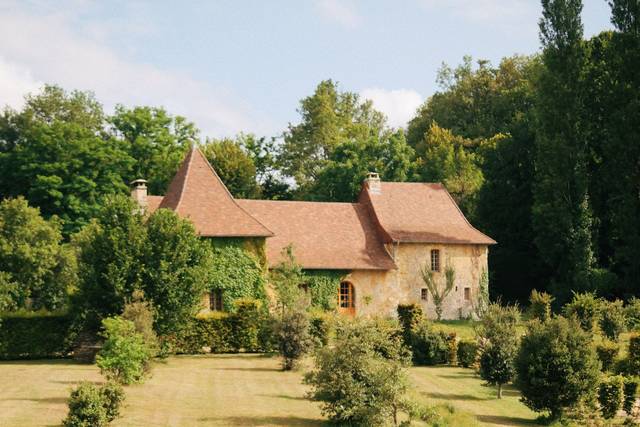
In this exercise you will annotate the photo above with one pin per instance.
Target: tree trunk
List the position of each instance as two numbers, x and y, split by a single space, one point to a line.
499 391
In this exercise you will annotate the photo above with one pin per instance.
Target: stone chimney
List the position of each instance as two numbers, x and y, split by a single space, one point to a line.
139 192
373 183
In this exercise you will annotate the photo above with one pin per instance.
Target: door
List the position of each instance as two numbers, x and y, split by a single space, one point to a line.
347 299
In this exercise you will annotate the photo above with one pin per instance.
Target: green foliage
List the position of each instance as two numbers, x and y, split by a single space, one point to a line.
57 155
540 305
93 406
234 166
634 353
438 292
125 357
556 366
140 312
467 353
320 329
611 395
585 307
362 380
293 337
38 270
607 352
410 317
631 385
632 313
613 320
212 331
429 347
237 272
481 304
286 278
34 335
245 325
323 287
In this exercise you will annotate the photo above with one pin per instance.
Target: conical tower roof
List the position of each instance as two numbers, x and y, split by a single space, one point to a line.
197 193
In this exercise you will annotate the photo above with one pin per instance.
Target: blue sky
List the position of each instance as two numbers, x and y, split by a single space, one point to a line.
234 66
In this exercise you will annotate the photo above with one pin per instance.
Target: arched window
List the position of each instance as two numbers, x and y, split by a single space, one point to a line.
347 298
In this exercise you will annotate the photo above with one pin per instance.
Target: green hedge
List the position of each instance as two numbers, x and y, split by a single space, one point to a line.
34 335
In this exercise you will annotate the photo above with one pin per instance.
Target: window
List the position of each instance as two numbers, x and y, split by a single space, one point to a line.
467 294
347 295
304 287
424 294
215 300
435 260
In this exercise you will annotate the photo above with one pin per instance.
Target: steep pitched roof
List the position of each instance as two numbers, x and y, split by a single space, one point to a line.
153 202
197 193
324 235
420 212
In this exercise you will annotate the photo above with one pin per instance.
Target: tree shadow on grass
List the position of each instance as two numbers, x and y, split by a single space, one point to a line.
452 396
462 375
283 396
250 369
506 421
76 382
43 400
263 421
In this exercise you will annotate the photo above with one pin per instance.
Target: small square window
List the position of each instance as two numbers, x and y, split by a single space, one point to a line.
435 260
467 294
215 300
424 294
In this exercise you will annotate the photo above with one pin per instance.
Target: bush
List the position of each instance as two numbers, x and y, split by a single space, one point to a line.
556 366
613 319
140 313
611 396
320 329
211 331
34 335
293 338
362 380
586 308
467 353
452 354
245 325
607 352
410 317
632 313
429 347
634 354
125 357
630 393
540 305
93 406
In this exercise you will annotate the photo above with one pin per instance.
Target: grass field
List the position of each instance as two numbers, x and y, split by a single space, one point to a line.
229 390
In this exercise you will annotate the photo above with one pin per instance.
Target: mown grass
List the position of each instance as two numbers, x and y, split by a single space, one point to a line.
232 390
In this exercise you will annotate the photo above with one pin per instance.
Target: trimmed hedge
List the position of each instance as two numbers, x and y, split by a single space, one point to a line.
34 335
611 396
467 353
607 352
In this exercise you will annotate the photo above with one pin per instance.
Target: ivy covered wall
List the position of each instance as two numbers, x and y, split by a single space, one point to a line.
323 287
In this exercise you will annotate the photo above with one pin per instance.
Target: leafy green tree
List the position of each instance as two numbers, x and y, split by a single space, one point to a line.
156 140
286 279
556 366
347 166
56 154
234 166
38 270
439 292
294 340
613 321
329 118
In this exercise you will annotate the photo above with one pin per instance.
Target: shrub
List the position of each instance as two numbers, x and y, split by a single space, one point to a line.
93 406
245 325
293 337
452 354
34 335
632 313
586 308
607 352
429 347
362 380
540 305
611 396
410 317
140 313
556 366
210 330
467 353
125 356
634 353
613 319
630 393
320 329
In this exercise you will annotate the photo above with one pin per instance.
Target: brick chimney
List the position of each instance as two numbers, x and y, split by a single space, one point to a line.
139 192
372 182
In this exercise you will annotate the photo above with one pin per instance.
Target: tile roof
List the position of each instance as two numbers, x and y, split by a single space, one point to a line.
323 235
420 212
196 192
153 202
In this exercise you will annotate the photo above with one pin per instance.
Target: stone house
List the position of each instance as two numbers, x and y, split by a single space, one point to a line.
381 242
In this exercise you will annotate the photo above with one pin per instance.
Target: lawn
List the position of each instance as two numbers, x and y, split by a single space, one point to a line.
230 390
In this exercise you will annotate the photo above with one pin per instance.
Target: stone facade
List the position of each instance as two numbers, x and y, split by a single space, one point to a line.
378 293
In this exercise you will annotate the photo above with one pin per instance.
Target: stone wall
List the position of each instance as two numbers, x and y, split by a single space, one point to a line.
378 293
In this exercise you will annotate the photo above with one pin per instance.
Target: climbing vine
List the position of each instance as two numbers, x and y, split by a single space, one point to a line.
323 287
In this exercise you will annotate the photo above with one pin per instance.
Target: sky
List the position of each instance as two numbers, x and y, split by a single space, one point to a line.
243 66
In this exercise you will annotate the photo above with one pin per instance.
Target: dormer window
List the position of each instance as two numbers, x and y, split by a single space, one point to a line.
435 260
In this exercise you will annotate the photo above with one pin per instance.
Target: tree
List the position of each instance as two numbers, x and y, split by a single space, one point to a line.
613 320
156 140
234 166
499 336
329 118
293 337
38 270
362 379
286 278
264 153
556 366
438 292
347 166
56 154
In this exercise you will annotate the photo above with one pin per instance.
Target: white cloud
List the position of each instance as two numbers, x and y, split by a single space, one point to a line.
398 105
341 11
483 10
48 48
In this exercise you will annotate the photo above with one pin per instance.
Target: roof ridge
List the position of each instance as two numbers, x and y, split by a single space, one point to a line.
189 159
462 214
